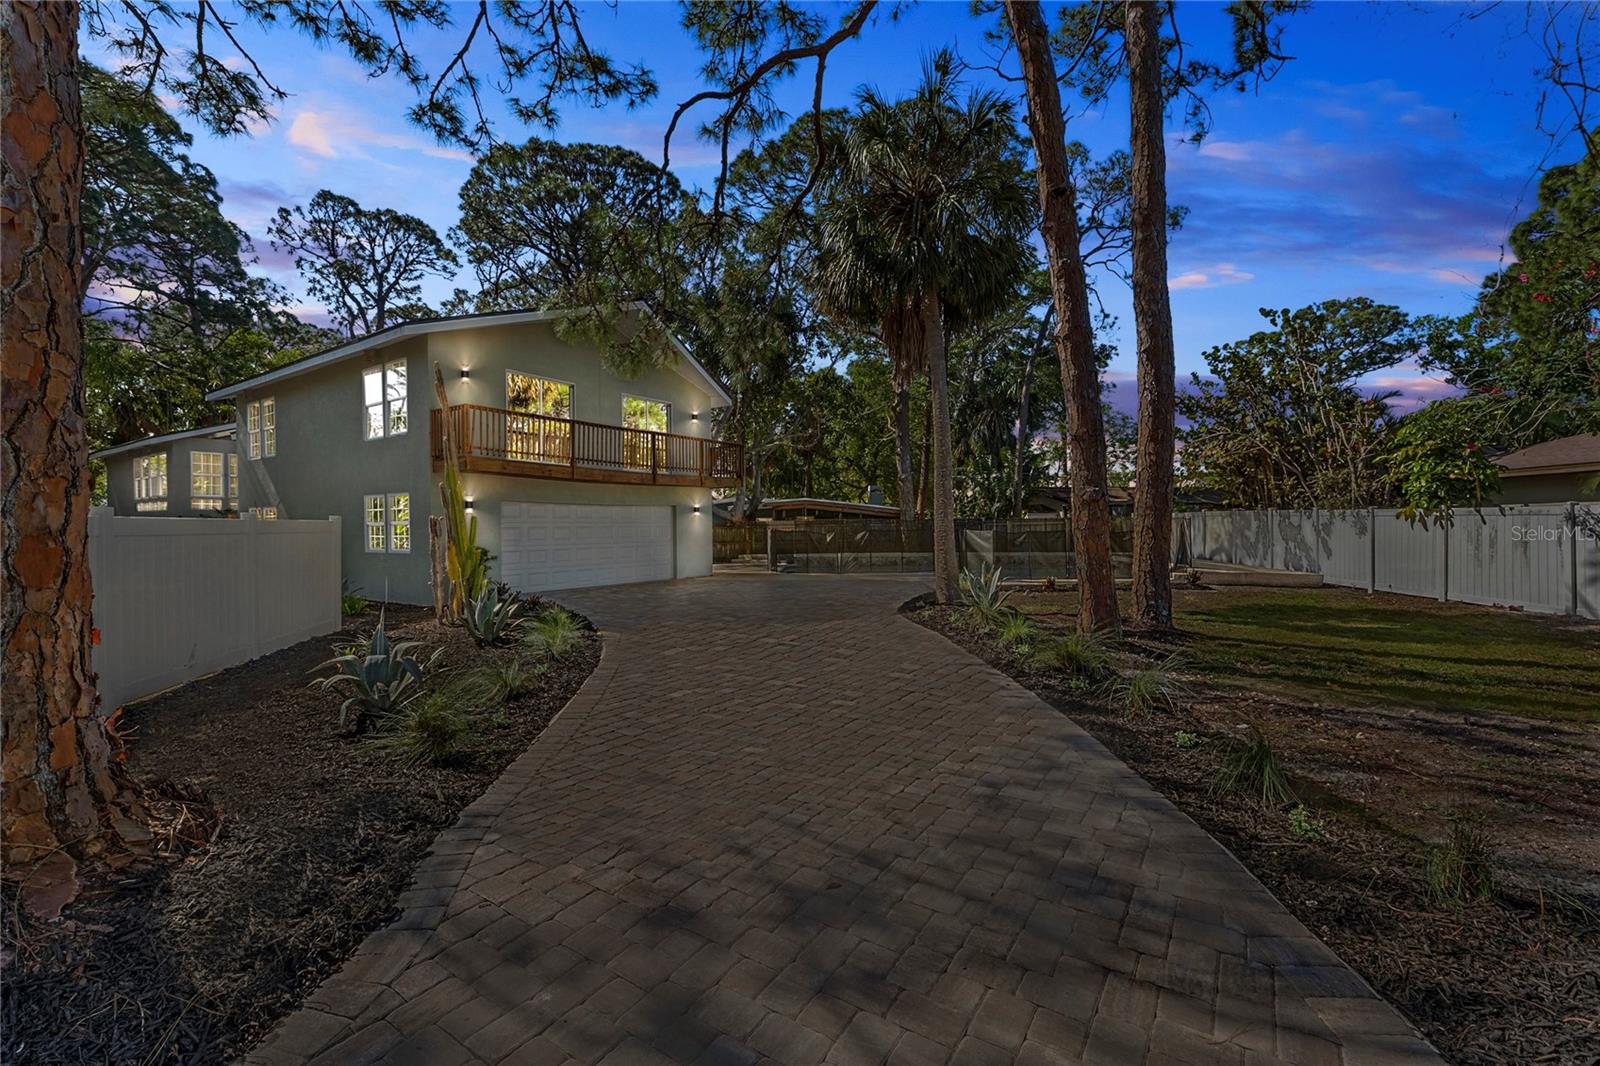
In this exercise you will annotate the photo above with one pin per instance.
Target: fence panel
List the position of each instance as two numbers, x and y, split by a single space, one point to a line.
1522 558
177 598
1586 564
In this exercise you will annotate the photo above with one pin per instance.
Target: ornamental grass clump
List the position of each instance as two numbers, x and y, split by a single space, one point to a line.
426 730
1086 656
1460 868
1251 768
1016 631
554 635
1150 689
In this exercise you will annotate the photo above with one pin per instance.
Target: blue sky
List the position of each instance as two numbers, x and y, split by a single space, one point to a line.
1388 159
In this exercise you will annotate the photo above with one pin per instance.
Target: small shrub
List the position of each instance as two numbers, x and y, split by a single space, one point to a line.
494 616
1304 824
1084 655
985 600
554 635
1187 740
1460 868
426 730
1050 584
1251 768
1016 631
515 677
381 676
1153 688
351 602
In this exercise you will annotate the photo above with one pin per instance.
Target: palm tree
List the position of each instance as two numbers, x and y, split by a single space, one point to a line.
924 227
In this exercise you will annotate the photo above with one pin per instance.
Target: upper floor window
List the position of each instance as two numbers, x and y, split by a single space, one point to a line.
252 428
150 482
205 481
530 436
383 391
269 426
641 449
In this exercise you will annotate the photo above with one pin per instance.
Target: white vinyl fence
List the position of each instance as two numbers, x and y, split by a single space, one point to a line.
177 598
1538 558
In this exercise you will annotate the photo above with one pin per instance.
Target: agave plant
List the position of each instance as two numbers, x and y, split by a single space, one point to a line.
982 594
380 675
495 616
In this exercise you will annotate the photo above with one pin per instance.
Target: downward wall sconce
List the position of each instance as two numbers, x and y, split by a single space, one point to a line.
465 373
468 501
694 416
697 508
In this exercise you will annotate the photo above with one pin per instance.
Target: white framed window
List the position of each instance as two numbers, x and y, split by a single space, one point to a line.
233 481
252 428
205 481
400 522
388 522
269 426
150 482
267 513
383 397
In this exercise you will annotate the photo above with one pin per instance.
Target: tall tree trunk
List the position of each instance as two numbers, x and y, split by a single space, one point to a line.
905 493
62 795
1069 290
1023 437
1152 316
925 475
944 495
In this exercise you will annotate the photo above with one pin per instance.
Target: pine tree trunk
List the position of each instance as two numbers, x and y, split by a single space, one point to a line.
944 496
62 794
1152 315
1069 290
905 492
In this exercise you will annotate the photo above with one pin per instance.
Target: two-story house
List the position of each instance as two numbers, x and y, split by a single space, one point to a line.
576 476
193 473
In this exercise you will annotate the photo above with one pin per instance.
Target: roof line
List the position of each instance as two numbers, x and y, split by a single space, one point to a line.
419 326
164 438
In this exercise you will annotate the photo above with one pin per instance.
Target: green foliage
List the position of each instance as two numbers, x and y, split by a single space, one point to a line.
380 675
1251 768
352 603
1149 689
1016 631
427 730
1460 868
1187 740
366 265
1304 824
494 616
1084 655
555 634
983 595
1282 420
1437 460
514 678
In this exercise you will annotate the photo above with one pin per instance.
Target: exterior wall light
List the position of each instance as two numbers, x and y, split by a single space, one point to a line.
697 508
465 373
694 416
468 501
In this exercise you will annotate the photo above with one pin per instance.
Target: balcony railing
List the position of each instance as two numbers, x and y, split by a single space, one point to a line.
497 441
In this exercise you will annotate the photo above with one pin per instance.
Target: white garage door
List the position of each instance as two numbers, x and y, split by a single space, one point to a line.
547 546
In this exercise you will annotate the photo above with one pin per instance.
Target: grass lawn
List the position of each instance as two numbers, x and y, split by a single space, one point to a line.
1354 647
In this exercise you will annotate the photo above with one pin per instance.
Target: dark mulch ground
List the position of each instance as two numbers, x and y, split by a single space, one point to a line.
315 836
1514 980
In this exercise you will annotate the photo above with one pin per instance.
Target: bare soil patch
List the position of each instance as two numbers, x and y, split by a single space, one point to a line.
1512 980
302 839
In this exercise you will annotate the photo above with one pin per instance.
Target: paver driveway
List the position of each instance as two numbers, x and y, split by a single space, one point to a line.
781 822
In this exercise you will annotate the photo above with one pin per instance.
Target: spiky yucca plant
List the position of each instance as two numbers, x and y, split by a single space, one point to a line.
381 676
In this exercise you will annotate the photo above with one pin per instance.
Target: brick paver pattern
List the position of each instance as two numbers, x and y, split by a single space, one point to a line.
781 823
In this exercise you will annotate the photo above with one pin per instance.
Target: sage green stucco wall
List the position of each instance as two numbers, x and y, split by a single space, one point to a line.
1546 488
120 472
323 466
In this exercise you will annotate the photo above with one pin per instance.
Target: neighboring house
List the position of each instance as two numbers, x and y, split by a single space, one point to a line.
576 476
189 474
1557 471
808 508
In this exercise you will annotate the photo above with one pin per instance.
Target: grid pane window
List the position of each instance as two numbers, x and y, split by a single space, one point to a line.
400 522
252 425
233 480
377 533
150 482
269 427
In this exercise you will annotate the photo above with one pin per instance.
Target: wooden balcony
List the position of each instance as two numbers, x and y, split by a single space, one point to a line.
494 441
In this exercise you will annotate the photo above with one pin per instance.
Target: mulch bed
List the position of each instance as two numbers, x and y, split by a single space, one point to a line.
300 839
1512 980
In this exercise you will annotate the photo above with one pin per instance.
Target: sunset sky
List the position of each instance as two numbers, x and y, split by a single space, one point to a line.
1388 159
